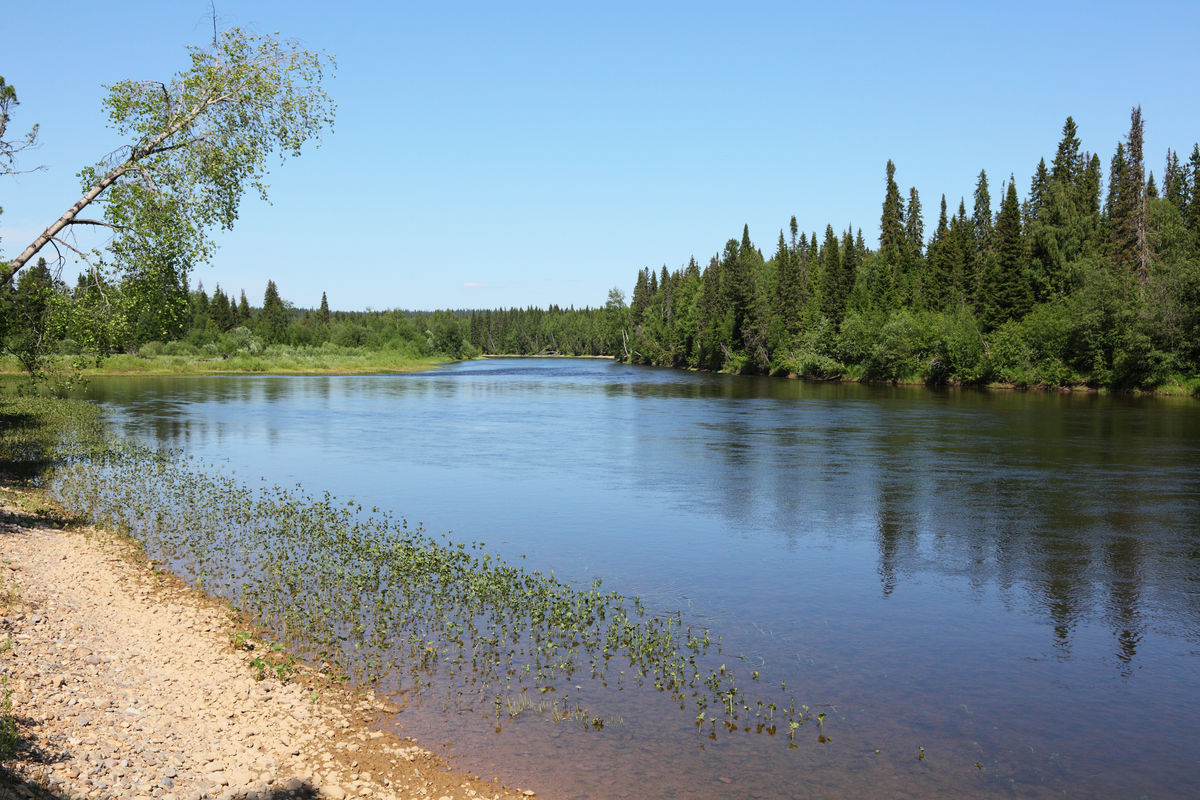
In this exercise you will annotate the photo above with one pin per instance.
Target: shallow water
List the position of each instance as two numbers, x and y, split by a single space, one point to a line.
1009 581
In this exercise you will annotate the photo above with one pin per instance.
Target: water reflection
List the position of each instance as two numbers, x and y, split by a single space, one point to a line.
906 553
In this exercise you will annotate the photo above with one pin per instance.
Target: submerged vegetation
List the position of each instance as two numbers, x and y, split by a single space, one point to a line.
369 599
376 601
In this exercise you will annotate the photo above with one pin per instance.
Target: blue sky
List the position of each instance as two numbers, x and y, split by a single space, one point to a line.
501 154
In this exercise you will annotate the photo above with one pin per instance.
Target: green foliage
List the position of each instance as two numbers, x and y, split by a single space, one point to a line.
194 145
1055 291
32 317
8 722
206 136
958 352
38 432
903 350
10 149
272 321
380 602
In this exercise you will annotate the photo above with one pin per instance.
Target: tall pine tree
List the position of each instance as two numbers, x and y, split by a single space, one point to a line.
1007 294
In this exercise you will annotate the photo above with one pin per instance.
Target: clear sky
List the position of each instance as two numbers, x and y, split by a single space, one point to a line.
512 154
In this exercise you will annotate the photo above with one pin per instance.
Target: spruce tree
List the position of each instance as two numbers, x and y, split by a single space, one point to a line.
221 311
850 266
1175 182
1134 233
960 257
1007 294
641 297
323 312
937 284
243 309
1116 177
789 293
833 294
850 261
737 285
1127 202
272 321
1089 200
914 256
1068 164
1192 211
981 218
893 242
1037 193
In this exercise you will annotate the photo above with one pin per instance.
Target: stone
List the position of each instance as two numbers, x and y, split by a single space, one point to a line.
239 776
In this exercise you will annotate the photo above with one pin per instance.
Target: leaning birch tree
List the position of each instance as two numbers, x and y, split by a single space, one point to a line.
195 144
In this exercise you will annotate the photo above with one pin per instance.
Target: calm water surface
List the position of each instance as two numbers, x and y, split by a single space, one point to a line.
1009 581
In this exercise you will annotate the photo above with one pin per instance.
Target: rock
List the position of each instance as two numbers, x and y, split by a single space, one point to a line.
217 778
239 776
333 791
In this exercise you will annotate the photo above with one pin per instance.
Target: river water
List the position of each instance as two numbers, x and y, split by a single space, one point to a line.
988 594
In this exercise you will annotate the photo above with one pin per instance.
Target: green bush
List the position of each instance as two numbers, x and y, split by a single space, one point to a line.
241 340
857 338
348 334
904 349
961 354
180 348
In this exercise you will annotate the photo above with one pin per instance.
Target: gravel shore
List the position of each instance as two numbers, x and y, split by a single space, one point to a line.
126 684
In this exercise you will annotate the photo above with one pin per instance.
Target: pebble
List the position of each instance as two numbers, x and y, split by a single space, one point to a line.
139 695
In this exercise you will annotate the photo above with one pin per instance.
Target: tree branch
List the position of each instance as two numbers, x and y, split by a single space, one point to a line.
82 255
176 146
94 222
108 180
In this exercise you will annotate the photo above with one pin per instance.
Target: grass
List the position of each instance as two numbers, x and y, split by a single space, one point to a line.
274 360
8 722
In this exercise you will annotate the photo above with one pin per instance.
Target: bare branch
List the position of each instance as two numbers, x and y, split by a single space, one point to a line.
94 222
176 146
82 255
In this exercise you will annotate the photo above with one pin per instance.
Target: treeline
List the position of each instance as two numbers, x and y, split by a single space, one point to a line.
216 324
532 331
1086 280
1079 283
451 333
42 317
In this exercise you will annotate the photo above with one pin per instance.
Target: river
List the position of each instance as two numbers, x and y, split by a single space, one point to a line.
988 594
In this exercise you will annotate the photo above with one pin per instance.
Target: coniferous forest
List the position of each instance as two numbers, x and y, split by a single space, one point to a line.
1082 281
1092 278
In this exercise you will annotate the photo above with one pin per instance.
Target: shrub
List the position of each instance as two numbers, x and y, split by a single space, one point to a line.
241 340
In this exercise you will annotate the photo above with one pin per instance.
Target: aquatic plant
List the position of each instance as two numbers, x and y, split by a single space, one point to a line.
363 596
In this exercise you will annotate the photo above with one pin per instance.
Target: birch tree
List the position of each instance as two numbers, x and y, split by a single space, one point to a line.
194 145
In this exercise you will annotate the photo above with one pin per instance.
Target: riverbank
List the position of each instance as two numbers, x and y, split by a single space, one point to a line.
273 361
126 683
